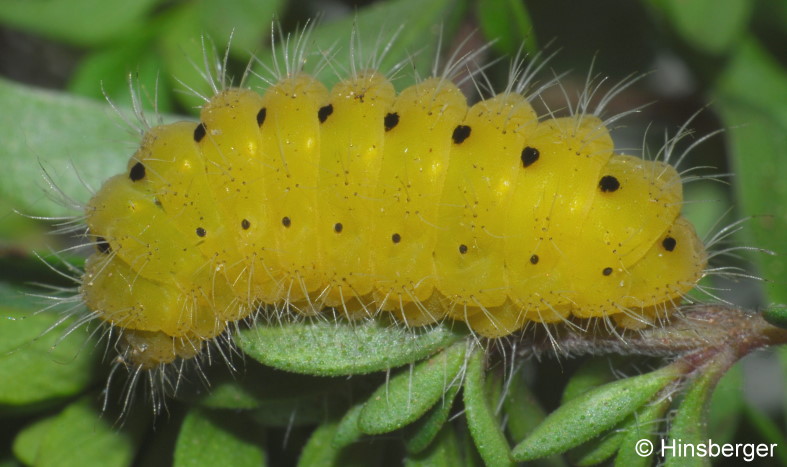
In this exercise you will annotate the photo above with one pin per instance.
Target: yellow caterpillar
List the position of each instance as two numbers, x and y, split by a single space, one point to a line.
365 200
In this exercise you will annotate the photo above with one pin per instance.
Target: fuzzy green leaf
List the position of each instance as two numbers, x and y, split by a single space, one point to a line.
643 426
590 375
598 449
481 418
320 450
425 429
690 425
726 405
348 431
34 366
328 348
584 417
444 451
213 438
410 394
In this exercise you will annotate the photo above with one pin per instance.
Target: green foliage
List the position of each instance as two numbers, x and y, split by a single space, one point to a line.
214 438
430 396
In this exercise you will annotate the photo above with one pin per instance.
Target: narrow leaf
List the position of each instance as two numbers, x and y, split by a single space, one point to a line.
584 417
690 425
481 418
411 393
443 452
348 431
319 450
639 447
425 429
726 406
591 374
599 449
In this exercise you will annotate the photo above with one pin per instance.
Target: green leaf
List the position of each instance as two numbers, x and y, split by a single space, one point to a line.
299 410
81 22
184 46
425 429
320 450
348 431
508 23
213 438
626 439
590 375
281 389
767 432
726 406
600 409
105 74
230 395
336 348
415 44
776 315
481 418
690 424
472 458
643 426
247 20
410 394
288 400
28 441
57 128
81 436
444 451
35 364
750 95
712 26
598 449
